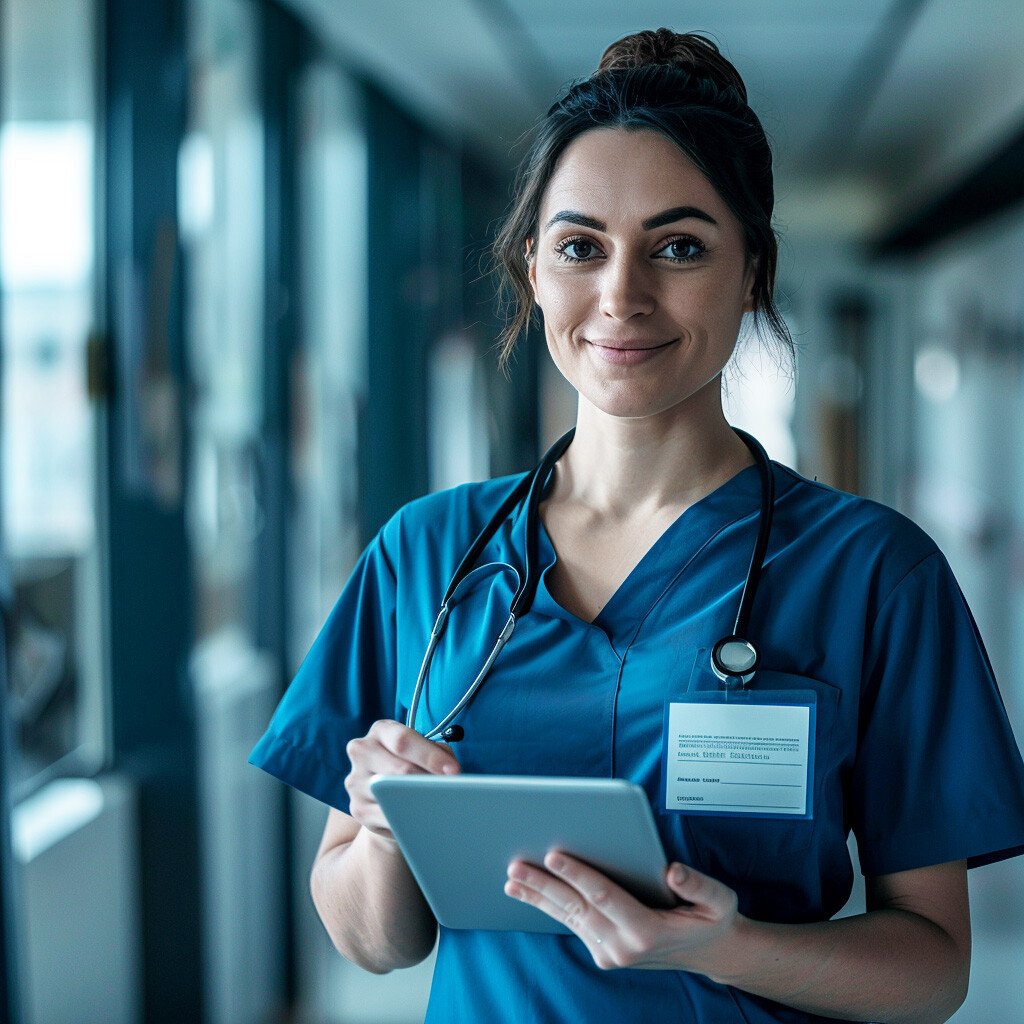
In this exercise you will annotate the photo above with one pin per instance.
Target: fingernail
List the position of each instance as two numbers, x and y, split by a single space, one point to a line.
678 873
555 862
450 769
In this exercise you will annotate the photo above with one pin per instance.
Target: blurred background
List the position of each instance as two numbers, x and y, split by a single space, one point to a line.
244 319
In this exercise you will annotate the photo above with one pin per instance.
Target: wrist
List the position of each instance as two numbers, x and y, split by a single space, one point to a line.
724 960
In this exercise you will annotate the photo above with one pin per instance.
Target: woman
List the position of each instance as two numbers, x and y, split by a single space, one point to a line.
642 231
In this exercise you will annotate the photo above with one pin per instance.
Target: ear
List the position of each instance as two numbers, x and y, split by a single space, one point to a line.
531 266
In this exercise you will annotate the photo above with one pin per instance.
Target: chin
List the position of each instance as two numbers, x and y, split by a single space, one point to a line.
628 403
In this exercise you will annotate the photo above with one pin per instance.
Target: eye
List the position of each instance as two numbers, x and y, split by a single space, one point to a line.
680 247
574 243
579 250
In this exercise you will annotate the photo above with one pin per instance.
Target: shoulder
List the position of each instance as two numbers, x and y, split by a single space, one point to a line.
445 520
846 533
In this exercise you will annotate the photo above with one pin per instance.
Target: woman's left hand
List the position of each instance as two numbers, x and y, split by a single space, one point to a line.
619 930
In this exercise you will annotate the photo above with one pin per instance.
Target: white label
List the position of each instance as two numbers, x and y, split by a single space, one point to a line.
725 758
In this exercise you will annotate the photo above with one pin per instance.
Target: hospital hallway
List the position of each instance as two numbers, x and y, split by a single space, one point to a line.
249 309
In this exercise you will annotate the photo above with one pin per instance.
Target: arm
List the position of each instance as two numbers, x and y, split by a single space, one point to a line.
361 886
905 961
367 899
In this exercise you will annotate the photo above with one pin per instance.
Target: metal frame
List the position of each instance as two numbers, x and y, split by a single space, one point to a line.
153 727
284 51
11 1009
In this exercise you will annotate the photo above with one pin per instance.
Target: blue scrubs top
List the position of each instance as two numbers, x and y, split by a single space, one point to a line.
914 752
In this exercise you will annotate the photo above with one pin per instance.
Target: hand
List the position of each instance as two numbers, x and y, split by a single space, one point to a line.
619 930
389 748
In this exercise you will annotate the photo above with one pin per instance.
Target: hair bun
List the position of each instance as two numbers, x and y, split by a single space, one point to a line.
688 51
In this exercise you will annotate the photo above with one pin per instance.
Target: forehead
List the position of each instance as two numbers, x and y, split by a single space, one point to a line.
623 172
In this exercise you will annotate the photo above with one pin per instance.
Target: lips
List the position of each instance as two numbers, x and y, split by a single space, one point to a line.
630 345
627 351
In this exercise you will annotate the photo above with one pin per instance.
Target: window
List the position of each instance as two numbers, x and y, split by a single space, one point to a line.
48 282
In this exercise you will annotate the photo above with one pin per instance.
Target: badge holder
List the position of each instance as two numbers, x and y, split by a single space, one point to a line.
739 751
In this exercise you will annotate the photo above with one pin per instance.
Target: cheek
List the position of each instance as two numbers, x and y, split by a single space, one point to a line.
564 305
716 309
566 291
562 357
564 312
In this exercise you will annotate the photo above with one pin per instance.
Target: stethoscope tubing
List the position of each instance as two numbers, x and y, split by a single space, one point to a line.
524 594
764 530
532 486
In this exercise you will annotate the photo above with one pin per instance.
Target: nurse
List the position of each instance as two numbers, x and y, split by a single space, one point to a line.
642 233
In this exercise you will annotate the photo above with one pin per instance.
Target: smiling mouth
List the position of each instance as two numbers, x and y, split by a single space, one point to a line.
628 348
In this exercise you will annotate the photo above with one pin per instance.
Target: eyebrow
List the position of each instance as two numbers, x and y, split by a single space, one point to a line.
657 221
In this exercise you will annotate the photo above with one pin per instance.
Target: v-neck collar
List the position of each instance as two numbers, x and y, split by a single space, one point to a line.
685 536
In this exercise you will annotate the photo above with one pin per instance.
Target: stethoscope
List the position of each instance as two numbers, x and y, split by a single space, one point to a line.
734 659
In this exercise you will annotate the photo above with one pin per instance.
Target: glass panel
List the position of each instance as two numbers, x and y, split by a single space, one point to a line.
220 208
458 413
329 371
49 437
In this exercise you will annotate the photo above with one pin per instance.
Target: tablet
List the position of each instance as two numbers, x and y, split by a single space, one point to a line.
459 832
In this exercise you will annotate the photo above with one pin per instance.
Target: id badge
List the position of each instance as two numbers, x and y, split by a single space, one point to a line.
740 753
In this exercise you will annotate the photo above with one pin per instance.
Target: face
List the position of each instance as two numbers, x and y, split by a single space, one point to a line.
641 306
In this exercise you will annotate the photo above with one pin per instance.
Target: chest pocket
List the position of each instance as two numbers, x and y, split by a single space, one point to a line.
767 850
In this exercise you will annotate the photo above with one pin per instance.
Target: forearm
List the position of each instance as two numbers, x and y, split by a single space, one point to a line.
886 965
371 905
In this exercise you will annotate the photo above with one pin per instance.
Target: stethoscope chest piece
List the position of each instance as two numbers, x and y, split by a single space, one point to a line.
734 660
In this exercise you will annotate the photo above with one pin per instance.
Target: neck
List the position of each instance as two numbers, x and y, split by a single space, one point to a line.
624 468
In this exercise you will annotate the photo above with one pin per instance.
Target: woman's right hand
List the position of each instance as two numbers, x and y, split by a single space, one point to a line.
390 748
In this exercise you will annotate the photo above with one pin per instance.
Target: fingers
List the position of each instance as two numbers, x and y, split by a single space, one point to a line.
618 930
365 810
709 897
599 892
389 748
582 898
557 899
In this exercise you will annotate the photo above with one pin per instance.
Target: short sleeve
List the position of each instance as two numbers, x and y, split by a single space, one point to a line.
938 775
344 684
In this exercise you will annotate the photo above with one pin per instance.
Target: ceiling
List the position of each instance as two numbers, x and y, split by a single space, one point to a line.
872 106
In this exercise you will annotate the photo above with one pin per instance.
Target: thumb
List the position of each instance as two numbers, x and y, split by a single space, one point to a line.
446 747
699 890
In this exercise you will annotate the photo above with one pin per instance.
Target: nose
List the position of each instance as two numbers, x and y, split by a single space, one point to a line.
626 288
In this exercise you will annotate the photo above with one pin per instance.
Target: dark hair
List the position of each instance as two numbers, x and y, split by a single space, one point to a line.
676 84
